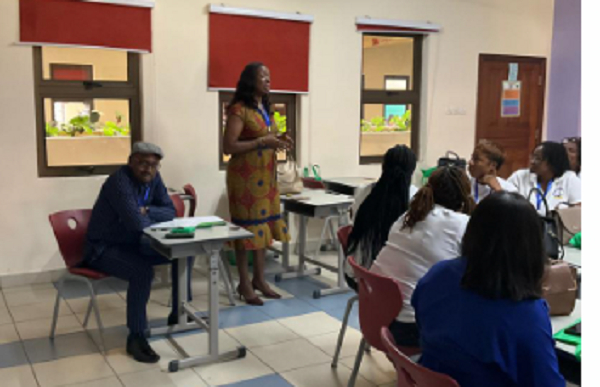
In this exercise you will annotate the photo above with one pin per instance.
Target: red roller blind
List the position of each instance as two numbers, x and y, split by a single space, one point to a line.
74 22
236 40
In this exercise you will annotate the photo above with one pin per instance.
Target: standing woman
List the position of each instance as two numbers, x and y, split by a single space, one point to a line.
252 188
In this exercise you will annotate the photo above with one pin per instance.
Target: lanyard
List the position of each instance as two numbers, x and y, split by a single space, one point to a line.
142 201
539 197
476 192
265 117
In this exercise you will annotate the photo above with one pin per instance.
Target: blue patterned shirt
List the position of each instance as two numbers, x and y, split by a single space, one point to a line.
116 219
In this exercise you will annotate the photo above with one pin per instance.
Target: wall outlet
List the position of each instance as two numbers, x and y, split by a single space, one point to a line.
455 111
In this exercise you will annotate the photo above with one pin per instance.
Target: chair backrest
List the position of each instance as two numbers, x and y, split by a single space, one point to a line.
379 303
310 182
71 240
190 191
343 234
179 205
409 373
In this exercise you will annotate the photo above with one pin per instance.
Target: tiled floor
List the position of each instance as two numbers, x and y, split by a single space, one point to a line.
290 341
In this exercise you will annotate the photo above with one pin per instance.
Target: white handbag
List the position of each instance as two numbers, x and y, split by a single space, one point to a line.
288 178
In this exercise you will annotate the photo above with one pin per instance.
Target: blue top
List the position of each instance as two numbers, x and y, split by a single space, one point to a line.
116 218
480 341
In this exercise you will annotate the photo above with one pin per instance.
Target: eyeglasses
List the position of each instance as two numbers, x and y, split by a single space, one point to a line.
146 165
567 140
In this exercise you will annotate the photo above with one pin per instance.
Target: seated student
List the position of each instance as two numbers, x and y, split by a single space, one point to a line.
481 316
573 147
548 171
485 162
131 199
429 232
388 200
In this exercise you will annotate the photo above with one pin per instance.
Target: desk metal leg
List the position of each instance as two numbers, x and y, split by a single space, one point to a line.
342 287
285 254
300 270
212 325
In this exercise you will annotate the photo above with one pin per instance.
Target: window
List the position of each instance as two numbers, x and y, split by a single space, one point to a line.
390 94
284 110
88 109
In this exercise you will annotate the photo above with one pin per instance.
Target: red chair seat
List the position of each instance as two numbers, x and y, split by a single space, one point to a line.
88 273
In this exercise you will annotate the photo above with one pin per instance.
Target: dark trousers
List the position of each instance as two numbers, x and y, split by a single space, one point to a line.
405 334
136 266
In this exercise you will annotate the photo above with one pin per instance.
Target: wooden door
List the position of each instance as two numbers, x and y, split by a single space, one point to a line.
518 135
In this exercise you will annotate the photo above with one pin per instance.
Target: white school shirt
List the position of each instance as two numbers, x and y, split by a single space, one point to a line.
359 198
564 190
480 191
409 254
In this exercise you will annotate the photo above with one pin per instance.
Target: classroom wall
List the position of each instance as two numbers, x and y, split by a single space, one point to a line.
182 116
564 97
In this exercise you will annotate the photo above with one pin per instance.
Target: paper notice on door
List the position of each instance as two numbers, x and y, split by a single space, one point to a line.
511 99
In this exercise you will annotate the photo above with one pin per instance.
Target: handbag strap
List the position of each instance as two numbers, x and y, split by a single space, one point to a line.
452 153
540 194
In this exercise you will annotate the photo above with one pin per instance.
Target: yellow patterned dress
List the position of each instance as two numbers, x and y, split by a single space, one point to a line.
252 186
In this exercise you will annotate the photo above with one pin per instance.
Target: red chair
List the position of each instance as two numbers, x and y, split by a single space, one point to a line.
343 234
310 182
380 302
190 192
409 373
71 242
178 204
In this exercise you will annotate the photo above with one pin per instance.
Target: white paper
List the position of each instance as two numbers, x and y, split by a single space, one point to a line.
513 71
187 222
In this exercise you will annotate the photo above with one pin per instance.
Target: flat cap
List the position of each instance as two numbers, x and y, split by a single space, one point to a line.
147 148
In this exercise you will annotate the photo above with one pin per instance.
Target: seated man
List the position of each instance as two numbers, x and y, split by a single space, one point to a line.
486 161
131 199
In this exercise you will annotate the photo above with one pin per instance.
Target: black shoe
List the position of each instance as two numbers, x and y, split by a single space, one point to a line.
140 350
173 319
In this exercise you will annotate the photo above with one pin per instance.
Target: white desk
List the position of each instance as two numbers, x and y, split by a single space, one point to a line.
209 241
314 204
347 185
561 322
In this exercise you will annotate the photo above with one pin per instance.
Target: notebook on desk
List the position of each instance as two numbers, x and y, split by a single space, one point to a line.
195 222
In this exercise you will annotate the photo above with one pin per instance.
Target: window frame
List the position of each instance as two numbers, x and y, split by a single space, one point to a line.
84 90
291 121
395 97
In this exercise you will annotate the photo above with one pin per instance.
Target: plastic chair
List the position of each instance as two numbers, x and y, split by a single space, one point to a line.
411 374
189 190
380 302
178 204
311 183
343 234
71 242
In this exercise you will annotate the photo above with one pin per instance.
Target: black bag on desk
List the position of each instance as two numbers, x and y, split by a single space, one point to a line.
552 243
452 160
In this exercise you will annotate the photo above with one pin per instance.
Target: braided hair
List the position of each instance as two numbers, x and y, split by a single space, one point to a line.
449 187
388 200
